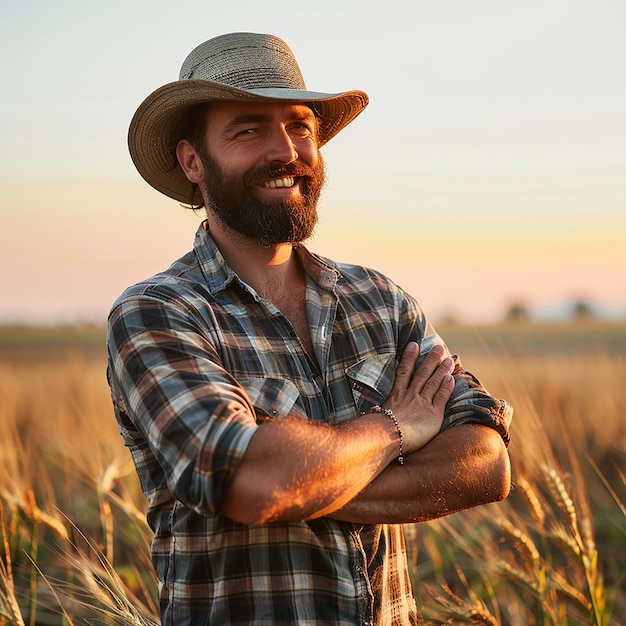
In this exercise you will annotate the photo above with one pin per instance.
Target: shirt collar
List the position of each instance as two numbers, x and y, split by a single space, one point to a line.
320 270
219 275
216 272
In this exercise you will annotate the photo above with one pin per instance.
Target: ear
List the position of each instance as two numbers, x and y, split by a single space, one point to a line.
189 161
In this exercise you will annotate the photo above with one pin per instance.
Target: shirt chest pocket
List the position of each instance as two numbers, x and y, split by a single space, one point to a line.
371 380
272 397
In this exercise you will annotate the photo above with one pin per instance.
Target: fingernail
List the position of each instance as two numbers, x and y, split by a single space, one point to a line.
447 362
411 346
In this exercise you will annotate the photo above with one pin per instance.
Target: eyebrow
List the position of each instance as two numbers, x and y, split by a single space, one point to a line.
253 118
260 118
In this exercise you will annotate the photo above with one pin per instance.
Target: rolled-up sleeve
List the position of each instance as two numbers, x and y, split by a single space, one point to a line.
176 406
470 402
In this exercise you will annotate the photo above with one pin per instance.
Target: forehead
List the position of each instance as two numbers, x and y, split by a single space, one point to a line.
228 113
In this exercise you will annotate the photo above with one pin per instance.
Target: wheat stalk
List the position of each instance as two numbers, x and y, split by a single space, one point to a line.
9 607
524 544
532 498
584 550
462 611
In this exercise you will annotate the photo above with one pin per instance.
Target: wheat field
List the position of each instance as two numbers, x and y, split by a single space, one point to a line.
75 545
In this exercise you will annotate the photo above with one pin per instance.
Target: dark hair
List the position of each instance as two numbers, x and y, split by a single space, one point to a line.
192 127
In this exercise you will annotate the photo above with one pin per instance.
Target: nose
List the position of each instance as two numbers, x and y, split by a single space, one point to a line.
281 147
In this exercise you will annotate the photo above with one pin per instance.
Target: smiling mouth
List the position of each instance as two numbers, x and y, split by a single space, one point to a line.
280 182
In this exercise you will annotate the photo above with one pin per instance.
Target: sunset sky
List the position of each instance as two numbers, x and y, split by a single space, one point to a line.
489 167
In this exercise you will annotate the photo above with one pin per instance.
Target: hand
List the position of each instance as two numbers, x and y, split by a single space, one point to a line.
418 399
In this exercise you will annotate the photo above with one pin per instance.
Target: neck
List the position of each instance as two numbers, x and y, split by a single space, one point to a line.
268 270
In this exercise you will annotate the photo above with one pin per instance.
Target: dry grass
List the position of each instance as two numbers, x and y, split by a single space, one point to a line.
554 552
74 530
74 543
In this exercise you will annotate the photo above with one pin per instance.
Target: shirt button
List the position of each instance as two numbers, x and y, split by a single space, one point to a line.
358 569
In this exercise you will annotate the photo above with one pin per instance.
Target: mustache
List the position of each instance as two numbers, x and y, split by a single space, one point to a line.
262 173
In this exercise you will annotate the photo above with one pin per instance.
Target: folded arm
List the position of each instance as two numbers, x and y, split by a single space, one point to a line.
295 470
461 467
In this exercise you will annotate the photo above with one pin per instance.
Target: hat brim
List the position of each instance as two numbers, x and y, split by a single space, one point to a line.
151 136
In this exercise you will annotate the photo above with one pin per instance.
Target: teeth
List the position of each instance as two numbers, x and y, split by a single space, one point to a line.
279 182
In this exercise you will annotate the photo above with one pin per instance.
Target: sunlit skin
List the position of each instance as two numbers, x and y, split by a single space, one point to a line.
277 134
294 469
241 136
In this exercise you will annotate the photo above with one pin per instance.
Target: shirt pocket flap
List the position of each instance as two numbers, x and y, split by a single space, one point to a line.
372 378
271 397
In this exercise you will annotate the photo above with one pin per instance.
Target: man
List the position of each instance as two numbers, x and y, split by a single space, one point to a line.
286 414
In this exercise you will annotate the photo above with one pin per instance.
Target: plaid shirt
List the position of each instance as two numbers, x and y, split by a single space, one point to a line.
196 360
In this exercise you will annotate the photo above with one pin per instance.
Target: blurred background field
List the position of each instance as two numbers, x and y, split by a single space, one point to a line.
75 544
503 182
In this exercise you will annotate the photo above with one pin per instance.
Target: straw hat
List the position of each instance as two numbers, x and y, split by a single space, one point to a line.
246 67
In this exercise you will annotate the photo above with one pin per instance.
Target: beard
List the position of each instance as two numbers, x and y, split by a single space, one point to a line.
266 222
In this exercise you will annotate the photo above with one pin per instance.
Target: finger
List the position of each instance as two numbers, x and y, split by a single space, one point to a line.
427 368
441 397
433 384
404 371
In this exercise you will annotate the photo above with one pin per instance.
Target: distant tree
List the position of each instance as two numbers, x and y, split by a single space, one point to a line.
517 312
582 311
449 319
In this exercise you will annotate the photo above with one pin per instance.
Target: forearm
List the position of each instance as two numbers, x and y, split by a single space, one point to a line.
295 470
462 467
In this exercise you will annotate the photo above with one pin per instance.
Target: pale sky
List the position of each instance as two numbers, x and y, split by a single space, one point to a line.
489 167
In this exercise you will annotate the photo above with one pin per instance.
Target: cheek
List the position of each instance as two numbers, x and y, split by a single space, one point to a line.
240 161
308 152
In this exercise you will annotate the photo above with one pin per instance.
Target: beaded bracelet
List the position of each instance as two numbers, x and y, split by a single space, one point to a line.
389 413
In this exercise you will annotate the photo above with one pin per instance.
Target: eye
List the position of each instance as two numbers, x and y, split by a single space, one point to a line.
302 129
246 132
